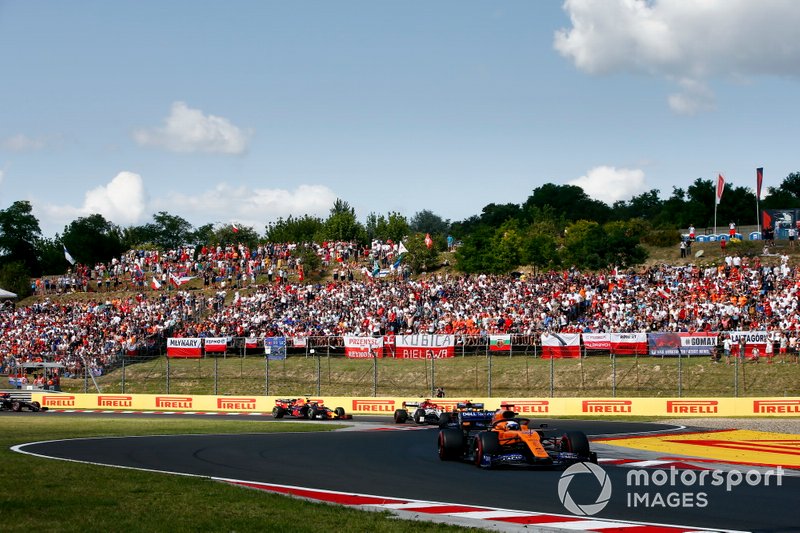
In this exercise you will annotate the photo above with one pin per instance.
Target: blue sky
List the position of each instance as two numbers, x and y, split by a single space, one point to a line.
244 111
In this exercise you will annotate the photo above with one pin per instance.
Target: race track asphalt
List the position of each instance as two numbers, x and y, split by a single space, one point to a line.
404 464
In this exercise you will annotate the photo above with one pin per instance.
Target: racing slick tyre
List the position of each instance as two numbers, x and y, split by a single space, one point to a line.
313 413
451 444
305 412
444 420
400 416
576 442
16 407
339 412
487 443
36 407
278 412
419 416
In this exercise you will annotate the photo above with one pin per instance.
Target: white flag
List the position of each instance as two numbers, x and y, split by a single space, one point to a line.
402 248
68 257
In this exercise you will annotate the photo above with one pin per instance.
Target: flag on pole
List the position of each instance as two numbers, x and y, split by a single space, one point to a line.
155 284
759 180
402 248
428 240
720 187
68 257
177 281
234 228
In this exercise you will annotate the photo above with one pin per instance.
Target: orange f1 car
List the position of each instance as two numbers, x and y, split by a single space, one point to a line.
503 439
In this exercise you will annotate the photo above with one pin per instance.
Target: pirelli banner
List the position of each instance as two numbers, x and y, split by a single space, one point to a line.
528 407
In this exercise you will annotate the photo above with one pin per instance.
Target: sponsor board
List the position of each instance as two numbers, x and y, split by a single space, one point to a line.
551 407
110 401
373 406
693 407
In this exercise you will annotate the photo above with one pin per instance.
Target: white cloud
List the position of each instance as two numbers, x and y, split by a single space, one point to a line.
125 201
694 98
122 201
251 207
22 143
189 130
609 184
684 42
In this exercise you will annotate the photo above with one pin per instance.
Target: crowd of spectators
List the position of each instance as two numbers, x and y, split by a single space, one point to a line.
740 293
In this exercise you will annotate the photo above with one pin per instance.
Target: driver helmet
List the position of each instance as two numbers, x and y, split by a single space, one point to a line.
512 425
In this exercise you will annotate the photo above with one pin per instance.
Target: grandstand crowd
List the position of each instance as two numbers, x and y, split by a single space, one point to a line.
260 292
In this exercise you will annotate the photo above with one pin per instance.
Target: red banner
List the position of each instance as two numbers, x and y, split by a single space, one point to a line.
629 343
424 346
561 345
363 347
215 344
188 347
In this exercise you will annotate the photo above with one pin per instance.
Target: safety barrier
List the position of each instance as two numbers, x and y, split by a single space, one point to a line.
532 407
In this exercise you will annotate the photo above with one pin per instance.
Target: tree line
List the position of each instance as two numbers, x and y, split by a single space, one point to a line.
557 226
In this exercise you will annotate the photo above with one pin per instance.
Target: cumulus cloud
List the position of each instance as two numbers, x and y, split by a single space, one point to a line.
22 143
189 130
610 184
122 201
689 43
253 207
125 201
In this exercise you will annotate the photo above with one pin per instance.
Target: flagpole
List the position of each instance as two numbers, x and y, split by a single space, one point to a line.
759 176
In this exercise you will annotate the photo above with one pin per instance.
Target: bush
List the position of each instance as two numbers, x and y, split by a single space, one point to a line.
662 237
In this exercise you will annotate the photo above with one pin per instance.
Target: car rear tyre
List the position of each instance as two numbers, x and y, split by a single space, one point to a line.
400 416
451 444
576 442
278 412
444 420
419 416
313 414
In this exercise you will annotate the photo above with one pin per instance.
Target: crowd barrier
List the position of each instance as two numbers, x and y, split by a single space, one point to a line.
531 407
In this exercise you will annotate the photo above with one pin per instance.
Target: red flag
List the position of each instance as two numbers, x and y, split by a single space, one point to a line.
759 179
234 228
720 187
428 240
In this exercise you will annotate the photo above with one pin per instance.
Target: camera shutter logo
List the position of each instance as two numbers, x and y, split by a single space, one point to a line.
581 469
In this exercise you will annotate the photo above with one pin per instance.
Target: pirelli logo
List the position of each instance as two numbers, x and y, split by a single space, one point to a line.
776 407
114 401
373 406
693 407
174 402
528 406
607 406
447 406
237 404
60 400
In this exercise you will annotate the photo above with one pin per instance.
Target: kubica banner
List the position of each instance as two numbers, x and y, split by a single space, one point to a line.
675 344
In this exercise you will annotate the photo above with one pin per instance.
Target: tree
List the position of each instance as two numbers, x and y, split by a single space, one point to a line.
420 258
303 229
92 240
243 234
19 234
395 227
171 231
14 277
341 224
426 221
569 200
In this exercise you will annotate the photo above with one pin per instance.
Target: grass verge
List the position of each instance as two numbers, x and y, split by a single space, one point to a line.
50 495
462 377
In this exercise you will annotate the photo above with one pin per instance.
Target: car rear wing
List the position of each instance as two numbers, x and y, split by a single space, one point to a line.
469 405
474 419
411 404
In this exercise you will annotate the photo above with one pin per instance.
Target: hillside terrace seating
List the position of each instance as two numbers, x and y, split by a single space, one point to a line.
737 295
